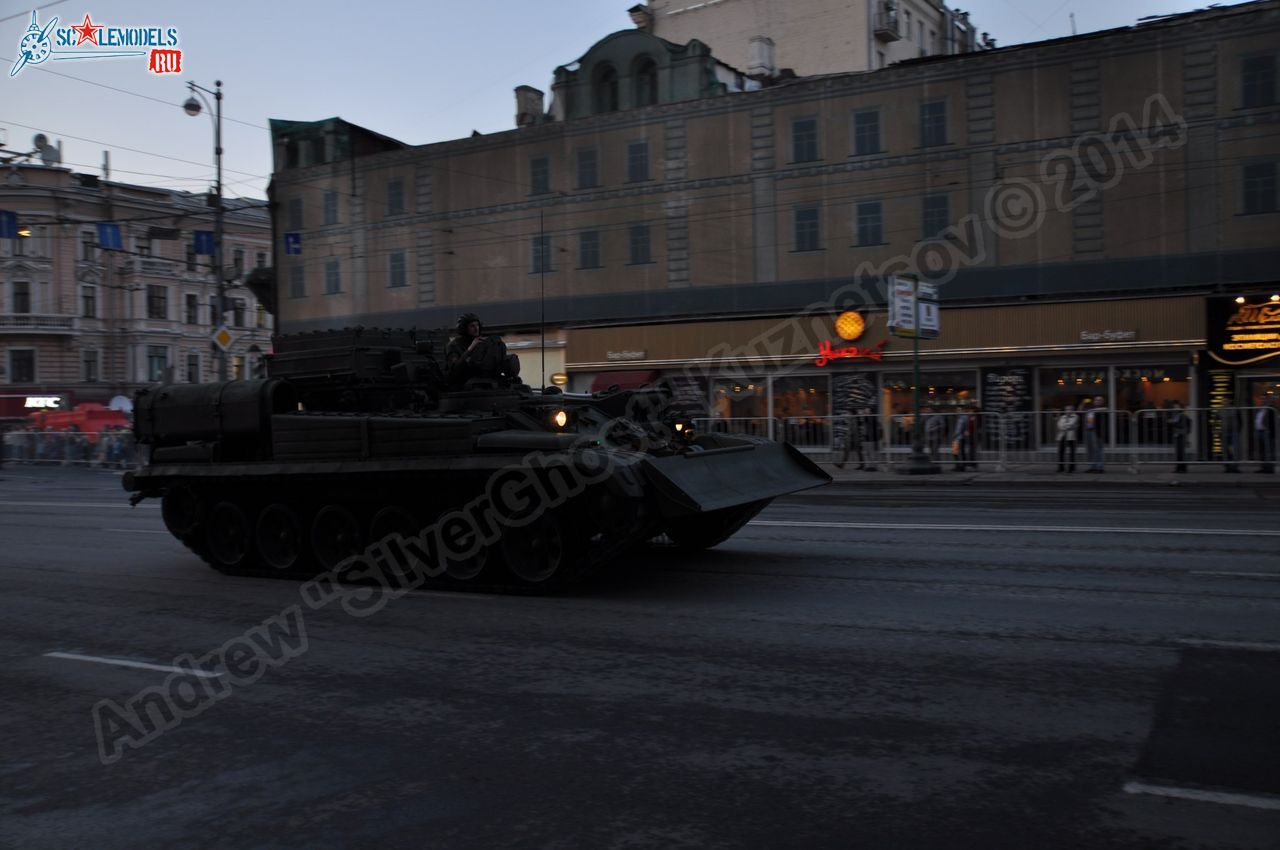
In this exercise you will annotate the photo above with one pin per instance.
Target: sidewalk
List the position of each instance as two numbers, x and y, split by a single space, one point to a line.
1046 475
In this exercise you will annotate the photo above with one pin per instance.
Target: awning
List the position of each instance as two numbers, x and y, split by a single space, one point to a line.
624 380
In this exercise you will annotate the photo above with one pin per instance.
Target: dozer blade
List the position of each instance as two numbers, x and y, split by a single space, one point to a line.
725 477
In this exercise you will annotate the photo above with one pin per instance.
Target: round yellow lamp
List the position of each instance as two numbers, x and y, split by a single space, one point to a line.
850 325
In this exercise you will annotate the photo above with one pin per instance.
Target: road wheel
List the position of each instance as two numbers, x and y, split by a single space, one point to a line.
538 553
228 535
391 521
335 536
180 509
279 537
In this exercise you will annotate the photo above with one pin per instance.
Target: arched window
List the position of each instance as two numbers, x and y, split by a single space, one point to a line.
646 81
606 88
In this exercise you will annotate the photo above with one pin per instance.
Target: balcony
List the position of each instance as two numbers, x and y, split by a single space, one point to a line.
37 323
887 28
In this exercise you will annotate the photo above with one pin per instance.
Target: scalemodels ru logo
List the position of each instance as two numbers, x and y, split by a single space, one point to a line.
38 44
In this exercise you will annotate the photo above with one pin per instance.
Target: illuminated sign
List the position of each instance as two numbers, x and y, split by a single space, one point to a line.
41 402
559 379
826 353
624 355
850 325
1241 332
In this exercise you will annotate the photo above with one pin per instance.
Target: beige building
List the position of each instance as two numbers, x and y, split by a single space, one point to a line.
812 37
665 203
82 324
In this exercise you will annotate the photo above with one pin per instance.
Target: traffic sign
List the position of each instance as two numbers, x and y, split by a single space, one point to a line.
223 338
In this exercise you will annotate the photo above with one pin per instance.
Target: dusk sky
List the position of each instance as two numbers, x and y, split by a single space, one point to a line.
418 72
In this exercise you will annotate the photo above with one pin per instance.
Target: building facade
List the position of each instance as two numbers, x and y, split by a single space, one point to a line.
1083 204
80 323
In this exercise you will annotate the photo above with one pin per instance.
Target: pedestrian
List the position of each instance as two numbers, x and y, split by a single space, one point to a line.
1068 425
1179 426
1095 431
1264 435
963 440
860 439
1229 419
935 427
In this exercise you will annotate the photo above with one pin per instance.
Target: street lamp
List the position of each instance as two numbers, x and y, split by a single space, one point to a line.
192 107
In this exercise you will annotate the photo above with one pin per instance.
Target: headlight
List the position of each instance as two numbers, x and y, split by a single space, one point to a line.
561 418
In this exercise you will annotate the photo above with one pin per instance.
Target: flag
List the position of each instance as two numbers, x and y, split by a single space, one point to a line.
293 243
109 236
8 225
203 242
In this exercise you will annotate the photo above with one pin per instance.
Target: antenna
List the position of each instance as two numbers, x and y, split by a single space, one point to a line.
1072 16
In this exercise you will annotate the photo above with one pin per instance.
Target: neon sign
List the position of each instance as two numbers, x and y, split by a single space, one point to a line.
827 354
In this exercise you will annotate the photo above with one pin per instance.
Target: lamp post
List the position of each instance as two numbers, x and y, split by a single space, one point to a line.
192 107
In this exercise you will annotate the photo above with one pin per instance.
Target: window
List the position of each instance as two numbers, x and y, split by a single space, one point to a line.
157 301
19 246
237 368
297 282
193 368
637 161
933 123
870 222
22 366
640 244
924 48
237 312
880 57
332 277
646 82
157 362
142 245
238 261
295 214
260 260
804 140
806 229
908 18
88 246
589 249
21 302
89 302
1258 80
1260 188
330 207
866 132
215 315
936 214
191 256
539 254
89 366
395 196
191 309
395 270
588 169
605 88
259 317
539 175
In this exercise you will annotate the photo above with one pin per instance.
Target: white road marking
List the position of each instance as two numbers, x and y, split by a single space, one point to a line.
136 530
124 503
142 665
1234 575
1089 529
1230 644
1227 798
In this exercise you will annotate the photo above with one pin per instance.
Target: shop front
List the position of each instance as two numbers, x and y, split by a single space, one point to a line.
795 377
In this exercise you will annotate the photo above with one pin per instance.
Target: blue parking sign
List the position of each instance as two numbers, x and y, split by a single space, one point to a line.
293 243
202 242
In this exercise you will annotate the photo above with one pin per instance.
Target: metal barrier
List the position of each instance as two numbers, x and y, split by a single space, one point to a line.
112 449
1011 441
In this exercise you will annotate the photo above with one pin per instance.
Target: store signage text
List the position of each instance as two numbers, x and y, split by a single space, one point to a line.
826 353
1108 336
1256 314
41 402
1241 334
624 355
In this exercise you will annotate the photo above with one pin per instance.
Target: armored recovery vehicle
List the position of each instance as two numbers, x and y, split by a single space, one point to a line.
358 436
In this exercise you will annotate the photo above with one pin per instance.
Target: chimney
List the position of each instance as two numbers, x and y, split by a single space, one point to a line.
641 17
528 106
760 57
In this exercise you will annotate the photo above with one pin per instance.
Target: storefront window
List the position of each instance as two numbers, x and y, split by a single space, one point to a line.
739 405
1143 393
803 406
945 392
